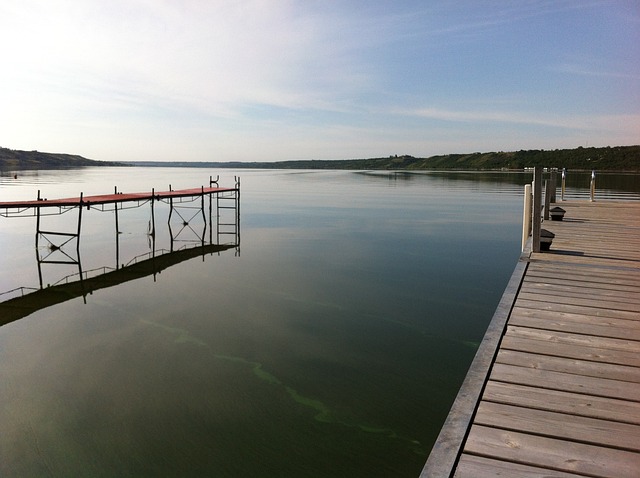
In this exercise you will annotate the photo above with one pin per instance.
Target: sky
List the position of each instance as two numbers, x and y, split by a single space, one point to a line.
268 80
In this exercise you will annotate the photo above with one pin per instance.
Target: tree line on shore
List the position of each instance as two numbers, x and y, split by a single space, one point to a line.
614 158
11 159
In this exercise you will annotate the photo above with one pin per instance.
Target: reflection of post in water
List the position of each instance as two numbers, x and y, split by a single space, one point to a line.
24 305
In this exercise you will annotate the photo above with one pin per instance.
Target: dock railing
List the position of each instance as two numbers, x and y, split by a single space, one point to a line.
592 185
538 198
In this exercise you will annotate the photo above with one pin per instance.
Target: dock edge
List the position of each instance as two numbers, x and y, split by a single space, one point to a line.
448 446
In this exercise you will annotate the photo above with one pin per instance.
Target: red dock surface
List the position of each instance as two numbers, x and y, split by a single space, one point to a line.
111 198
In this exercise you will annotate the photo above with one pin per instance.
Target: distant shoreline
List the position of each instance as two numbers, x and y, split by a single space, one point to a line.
614 159
13 159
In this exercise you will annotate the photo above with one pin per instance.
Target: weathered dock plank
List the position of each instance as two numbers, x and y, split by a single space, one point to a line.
585 324
587 368
585 301
584 352
561 396
481 467
565 382
595 431
562 338
614 280
558 306
571 403
552 453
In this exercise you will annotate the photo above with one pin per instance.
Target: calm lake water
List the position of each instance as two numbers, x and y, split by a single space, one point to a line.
330 342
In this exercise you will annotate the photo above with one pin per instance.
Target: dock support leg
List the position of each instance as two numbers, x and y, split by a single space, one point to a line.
238 210
210 217
217 218
117 234
38 243
204 217
79 227
37 223
84 296
153 216
153 225
117 239
169 222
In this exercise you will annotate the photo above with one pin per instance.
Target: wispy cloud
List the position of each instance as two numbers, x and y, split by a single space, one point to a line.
209 56
294 78
582 70
630 122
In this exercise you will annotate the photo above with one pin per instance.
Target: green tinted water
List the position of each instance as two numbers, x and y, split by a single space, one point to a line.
332 342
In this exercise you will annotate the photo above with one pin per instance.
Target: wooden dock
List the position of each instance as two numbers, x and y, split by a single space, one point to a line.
554 389
6 207
185 212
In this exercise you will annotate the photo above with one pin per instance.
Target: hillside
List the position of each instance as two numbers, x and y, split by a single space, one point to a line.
11 159
617 158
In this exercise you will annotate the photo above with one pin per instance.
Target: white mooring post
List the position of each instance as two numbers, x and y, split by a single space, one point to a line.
526 215
593 186
537 202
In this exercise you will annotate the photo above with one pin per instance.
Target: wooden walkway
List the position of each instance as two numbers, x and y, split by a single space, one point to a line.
562 398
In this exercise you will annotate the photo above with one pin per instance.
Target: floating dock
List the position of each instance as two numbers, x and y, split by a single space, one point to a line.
554 389
14 208
187 213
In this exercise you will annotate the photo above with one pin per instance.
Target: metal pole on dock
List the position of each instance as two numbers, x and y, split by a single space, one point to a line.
169 219
593 186
547 199
218 218
564 179
153 216
237 209
37 241
115 190
38 224
84 296
79 226
153 228
210 216
537 202
204 217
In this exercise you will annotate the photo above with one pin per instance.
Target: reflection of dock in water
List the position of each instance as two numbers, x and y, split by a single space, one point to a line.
19 307
210 233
